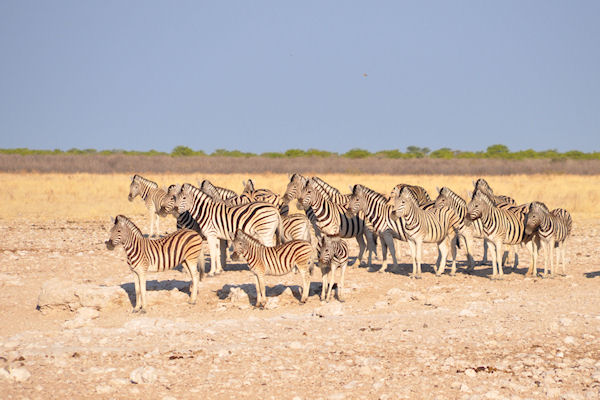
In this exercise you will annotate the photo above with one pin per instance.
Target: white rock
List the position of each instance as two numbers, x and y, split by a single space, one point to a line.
565 321
272 303
143 375
464 388
466 313
569 340
237 296
470 372
328 310
381 304
19 374
4 373
492 394
295 345
102 389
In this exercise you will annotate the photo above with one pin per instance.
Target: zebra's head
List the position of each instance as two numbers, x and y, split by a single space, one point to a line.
442 198
241 245
294 187
479 203
308 196
135 188
167 204
120 230
326 249
535 216
248 186
184 199
357 201
482 185
404 201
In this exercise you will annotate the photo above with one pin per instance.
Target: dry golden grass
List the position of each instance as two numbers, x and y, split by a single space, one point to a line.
80 197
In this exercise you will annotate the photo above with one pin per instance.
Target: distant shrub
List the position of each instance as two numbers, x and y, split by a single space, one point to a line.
497 151
319 153
391 154
182 151
295 153
357 153
231 153
272 155
444 152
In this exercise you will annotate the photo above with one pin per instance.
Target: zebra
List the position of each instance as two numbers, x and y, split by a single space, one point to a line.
330 192
331 218
553 228
216 220
333 254
435 225
265 195
278 260
156 255
152 195
482 185
501 225
381 216
468 229
418 192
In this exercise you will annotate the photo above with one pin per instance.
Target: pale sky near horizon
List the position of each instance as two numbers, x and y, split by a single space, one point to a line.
273 75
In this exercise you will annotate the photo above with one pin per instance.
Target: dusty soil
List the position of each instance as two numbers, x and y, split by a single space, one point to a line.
449 337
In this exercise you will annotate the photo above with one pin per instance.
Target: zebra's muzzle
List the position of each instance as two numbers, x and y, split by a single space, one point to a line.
109 245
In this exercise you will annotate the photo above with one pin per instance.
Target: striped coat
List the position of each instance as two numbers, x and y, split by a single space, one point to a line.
333 254
434 225
277 260
153 197
183 247
217 221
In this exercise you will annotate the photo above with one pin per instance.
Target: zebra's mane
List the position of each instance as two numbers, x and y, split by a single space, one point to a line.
148 182
446 191
370 193
538 205
482 184
406 189
484 197
249 186
121 219
246 237
326 186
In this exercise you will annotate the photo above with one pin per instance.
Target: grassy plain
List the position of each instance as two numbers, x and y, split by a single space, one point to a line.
81 197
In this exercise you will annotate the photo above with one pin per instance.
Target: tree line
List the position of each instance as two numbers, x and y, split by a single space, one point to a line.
493 151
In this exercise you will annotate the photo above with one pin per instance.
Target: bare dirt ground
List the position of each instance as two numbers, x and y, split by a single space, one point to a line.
394 337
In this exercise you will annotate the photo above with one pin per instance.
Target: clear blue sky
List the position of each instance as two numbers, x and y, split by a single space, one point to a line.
273 75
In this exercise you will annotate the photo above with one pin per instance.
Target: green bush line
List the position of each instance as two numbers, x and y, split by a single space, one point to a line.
494 151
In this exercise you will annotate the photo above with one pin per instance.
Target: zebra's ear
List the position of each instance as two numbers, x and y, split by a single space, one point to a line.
469 194
437 188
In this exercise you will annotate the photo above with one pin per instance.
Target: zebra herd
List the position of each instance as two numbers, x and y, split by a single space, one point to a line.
272 241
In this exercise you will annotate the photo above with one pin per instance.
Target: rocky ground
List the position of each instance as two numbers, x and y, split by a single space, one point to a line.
448 337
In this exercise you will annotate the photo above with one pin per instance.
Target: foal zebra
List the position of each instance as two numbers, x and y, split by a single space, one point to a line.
146 255
333 254
278 260
553 228
381 216
501 225
152 195
331 218
216 220
435 225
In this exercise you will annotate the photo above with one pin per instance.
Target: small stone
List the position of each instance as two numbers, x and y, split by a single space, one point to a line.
565 321
143 375
569 340
470 372
19 374
464 388
295 345
381 304
466 313
103 389
4 373
492 394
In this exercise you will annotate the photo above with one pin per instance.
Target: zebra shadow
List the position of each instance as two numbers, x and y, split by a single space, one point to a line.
230 291
592 275
155 285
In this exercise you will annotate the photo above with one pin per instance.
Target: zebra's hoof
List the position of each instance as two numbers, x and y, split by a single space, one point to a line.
193 303
135 311
341 299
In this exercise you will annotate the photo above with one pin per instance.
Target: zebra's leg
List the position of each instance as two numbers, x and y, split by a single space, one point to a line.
340 288
361 249
324 280
305 281
371 246
152 214
258 291
443 250
194 286
563 251
484 260
468 243
494 260
389 240
138 300
223 254
499 265
142 278
413 253
453 255
419 257
546 251
213 247
331 281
